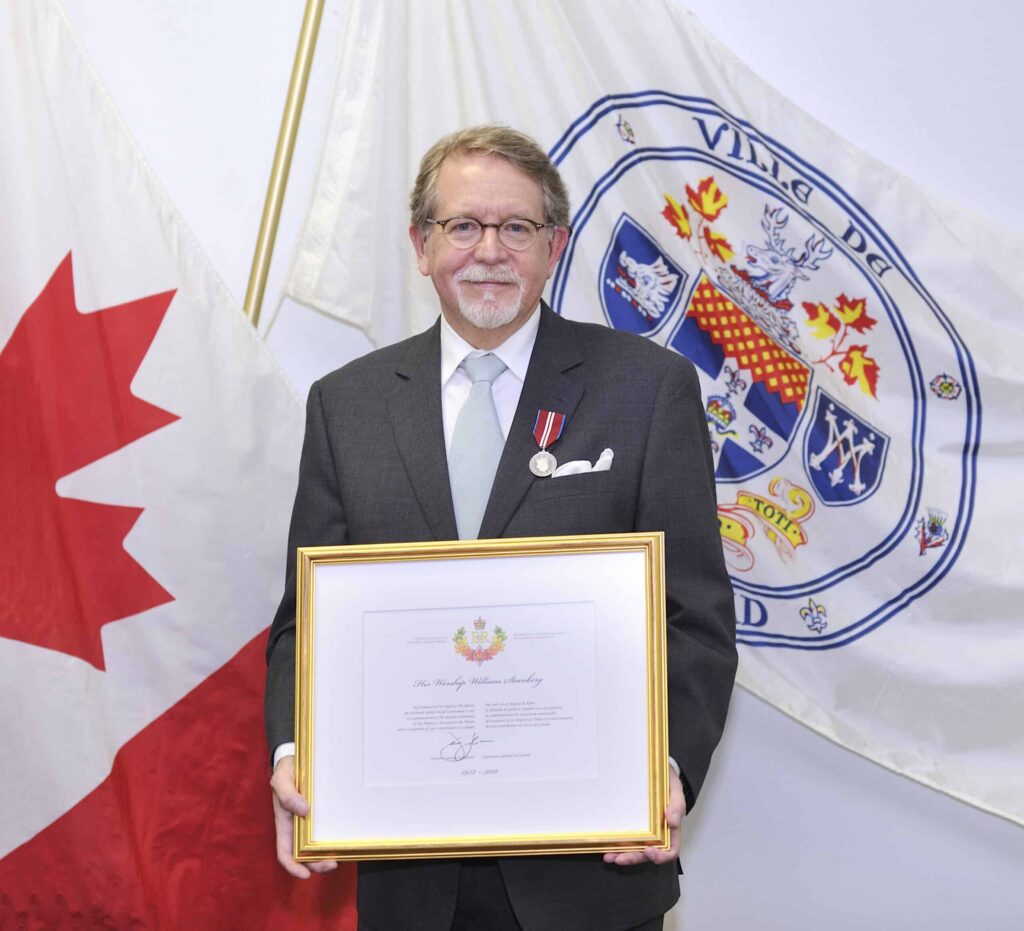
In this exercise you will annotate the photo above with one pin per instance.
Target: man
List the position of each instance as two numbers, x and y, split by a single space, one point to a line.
383 460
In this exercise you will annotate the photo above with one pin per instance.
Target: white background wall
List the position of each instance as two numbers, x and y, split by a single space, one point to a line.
791 832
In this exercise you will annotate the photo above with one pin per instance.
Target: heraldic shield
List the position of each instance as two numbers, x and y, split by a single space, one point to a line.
844 456
640 284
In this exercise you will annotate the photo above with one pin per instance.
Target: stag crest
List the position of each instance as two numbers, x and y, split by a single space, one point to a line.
775 269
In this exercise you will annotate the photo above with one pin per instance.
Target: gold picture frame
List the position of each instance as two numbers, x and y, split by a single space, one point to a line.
551 729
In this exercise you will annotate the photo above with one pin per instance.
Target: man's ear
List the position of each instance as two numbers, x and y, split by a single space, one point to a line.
419 243
556 246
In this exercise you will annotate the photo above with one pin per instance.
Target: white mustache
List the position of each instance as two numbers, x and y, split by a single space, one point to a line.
501 274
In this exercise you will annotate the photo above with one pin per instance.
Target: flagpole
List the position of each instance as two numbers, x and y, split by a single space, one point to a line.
282 159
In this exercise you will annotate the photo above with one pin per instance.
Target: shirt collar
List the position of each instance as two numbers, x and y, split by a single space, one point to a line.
515 352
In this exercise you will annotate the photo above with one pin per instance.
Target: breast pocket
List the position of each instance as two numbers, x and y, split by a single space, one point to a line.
574 504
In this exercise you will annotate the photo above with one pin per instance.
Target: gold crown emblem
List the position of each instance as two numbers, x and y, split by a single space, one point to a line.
719 412
479 623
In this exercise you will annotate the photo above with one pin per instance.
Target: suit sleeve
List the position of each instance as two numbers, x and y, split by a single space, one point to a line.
318 519
677 495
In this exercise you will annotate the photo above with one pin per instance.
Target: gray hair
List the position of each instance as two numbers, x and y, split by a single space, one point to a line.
518 148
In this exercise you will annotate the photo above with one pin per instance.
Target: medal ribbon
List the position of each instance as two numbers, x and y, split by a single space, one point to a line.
548 428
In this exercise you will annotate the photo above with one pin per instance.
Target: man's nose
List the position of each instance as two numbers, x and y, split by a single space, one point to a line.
490 248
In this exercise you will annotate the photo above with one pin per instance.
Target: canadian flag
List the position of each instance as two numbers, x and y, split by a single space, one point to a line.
147 461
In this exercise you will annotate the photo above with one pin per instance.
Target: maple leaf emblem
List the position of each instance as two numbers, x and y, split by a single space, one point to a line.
854 313
676 214
822 323
64 403
720 247
834 326
860 369
708 200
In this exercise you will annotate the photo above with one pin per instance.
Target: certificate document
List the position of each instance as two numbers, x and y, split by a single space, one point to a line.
481 697
481 693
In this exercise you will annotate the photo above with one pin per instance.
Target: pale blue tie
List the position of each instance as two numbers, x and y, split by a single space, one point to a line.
476 446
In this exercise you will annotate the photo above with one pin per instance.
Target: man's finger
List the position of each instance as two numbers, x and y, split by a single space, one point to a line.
294 804
283 827
675 811
324 866
283 784
629 858
288 802
283 831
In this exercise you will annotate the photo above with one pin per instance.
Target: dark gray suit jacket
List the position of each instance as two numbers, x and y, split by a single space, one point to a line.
373 470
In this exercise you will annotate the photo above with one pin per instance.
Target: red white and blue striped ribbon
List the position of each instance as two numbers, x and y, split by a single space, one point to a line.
548 427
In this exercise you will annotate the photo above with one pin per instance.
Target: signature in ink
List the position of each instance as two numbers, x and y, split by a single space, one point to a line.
458 750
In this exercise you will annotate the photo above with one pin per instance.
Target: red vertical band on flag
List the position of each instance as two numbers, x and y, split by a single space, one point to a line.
180 835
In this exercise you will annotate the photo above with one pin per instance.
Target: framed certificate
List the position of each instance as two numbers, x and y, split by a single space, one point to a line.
481 698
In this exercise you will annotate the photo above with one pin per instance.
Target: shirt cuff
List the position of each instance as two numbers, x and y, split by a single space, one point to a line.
288 749
688 796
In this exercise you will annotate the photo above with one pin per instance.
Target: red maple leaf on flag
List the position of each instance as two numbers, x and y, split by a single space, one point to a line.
854 313
720 247
64 403
708 200
860 369
676 214
822 322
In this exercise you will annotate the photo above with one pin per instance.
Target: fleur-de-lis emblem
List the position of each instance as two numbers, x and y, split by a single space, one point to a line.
735 382
814 615
761 440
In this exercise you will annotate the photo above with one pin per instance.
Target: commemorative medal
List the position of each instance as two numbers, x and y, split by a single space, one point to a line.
546 429
543 464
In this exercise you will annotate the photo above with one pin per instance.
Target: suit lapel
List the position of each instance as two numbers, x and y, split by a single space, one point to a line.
552 385
415 411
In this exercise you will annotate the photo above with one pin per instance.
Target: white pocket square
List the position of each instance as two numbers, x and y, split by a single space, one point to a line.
578 466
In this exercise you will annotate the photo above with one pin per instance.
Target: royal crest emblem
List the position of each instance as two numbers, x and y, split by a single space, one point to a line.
809 332
479 646
720 413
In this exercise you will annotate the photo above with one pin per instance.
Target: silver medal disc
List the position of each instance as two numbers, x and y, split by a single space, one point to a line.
543 464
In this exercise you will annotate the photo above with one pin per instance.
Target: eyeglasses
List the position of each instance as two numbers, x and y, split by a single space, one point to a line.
516 234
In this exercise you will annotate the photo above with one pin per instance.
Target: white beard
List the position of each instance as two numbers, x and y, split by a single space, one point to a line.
490 313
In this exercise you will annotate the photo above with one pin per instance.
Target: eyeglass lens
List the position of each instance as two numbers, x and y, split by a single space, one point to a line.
515 234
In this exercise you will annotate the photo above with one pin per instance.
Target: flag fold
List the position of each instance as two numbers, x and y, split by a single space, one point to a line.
858 343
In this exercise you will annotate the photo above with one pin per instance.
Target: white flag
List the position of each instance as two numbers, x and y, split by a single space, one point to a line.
857 344
149 449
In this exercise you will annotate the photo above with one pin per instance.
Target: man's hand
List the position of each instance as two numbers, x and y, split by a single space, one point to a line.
288 803
675 811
